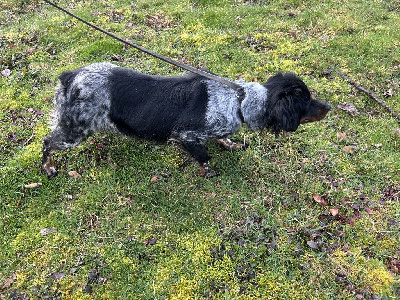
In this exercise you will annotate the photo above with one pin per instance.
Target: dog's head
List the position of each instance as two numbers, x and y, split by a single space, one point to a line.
289 104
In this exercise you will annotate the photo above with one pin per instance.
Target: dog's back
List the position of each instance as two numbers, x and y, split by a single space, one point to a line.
153 107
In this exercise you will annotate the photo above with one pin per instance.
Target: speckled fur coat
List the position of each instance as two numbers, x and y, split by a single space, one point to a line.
189 108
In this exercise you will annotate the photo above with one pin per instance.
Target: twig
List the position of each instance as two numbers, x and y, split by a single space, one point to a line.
369 93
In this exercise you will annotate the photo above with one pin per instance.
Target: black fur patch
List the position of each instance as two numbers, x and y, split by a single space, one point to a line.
153 106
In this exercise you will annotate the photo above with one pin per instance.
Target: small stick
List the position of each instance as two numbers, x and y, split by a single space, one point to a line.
369 93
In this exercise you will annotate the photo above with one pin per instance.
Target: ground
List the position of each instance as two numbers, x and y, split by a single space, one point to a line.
314 214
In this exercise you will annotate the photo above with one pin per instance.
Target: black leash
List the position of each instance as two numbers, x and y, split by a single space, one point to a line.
238 88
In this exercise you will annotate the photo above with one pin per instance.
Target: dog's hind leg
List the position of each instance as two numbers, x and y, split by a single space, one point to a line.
200 154
231 145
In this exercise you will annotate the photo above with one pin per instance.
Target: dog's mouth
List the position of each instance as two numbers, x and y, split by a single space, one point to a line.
306 120
317 114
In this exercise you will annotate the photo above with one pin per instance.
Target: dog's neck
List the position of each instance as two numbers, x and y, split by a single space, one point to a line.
254 105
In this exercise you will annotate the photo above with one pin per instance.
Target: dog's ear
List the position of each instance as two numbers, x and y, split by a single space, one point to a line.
285 110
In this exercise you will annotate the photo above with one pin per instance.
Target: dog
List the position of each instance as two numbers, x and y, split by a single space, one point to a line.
189 108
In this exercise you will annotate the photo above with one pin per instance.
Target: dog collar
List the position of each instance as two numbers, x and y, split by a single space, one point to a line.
240 95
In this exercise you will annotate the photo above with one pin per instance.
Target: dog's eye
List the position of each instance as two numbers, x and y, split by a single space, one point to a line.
305 121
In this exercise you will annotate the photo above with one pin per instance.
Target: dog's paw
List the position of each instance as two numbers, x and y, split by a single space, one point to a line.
211 173
50 171
207 172
232 145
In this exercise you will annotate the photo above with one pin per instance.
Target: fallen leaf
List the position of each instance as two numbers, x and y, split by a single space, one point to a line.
328 74
293 34
319 199
332 181
341 136
33 185
155 179
93 274
349 149
389 93
74 174
334 211
117 57
46 231
312 244
369 211
349 107
87 288
9 282
57 276
150 242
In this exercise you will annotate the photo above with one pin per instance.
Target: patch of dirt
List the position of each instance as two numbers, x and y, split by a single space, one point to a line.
158 21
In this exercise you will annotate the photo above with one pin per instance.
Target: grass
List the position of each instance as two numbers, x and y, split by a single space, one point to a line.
263 229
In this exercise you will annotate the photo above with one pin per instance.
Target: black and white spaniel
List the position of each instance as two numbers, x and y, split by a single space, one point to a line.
190 109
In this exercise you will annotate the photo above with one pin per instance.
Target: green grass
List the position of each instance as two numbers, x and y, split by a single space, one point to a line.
255 232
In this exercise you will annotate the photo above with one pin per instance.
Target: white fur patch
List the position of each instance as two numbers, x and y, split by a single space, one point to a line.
222 115
254 105
91 103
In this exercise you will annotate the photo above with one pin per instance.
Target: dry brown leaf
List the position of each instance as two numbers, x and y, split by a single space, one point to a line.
58 275
369 211
74 174
341 136
349 149
349 107
155 179
397 132
319 199
389 93
33 185
334 211
9 282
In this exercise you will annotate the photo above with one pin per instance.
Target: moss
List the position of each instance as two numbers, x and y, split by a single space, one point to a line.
201 37
366 274
172 273
273 285
114 210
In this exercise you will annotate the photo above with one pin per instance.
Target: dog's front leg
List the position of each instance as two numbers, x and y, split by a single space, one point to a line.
199 152
48 166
